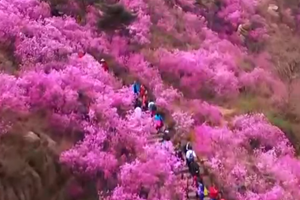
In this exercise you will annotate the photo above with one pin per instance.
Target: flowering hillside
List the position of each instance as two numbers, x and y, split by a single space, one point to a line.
68 129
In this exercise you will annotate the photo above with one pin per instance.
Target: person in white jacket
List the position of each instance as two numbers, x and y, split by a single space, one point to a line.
190 156
138 112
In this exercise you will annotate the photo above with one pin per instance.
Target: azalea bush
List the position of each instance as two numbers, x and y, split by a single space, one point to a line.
213 67
255 167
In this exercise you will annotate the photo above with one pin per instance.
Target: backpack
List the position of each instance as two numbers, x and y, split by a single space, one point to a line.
200 189
191 157
195 168
205 191
135 88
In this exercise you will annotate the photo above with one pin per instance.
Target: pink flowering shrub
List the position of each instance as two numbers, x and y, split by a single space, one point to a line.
140 27
212 67
160 173
183 26
184 122
237 11
57 91
260 148
205 112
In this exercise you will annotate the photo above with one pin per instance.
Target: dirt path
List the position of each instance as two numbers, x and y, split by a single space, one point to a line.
183 173
208 177
227 115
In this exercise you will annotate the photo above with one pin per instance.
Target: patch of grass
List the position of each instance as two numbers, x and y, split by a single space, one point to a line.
280 121
290 128
252 103
248 103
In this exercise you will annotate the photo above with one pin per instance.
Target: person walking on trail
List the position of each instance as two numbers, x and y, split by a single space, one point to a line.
152 108
158 124
136 88
145 101
138 112
158 121
166 135
213 193
142 90
202 191
104 64
190 157
194 169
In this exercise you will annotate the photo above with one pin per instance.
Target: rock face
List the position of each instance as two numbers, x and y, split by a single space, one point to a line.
29 169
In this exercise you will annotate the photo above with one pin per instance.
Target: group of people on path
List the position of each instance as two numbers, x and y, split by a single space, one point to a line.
201 190
142 103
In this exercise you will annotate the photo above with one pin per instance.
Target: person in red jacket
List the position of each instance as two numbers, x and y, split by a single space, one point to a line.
104 64
213 192
145 101
142 90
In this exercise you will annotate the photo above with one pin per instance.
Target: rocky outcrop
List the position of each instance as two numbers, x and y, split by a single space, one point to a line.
29 168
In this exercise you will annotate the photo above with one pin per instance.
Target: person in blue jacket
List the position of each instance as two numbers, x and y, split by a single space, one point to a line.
158 120
158 117
201 190
136 88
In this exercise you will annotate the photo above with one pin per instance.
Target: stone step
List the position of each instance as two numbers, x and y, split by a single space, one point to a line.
193 195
